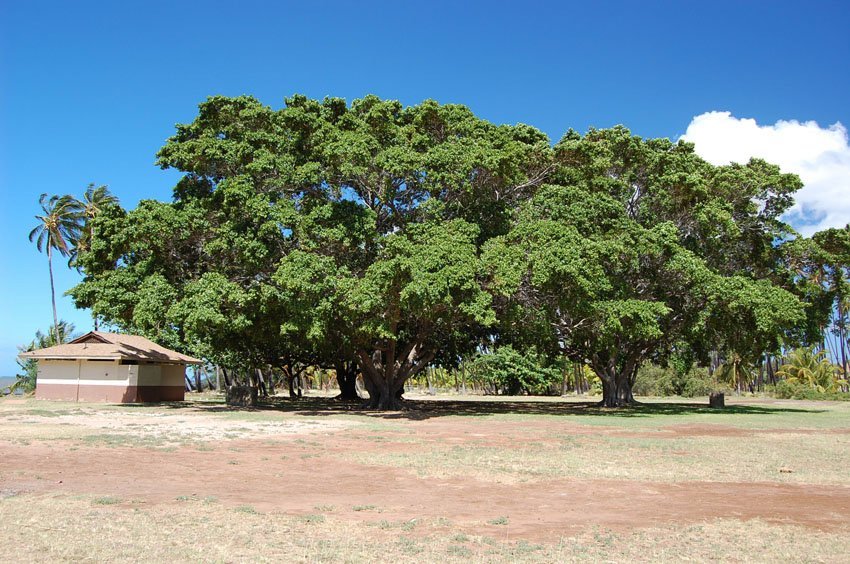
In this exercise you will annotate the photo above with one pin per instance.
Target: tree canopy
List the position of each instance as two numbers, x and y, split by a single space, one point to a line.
388 237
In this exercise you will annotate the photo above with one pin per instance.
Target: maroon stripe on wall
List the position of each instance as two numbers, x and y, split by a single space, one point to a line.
160 393
109 394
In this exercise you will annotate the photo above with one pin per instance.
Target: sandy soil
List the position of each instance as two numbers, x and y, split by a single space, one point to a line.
170 430
294 465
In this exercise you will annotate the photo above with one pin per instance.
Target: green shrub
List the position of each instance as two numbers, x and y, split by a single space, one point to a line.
512 372
792 389
26 382
786 389
697 382
654 380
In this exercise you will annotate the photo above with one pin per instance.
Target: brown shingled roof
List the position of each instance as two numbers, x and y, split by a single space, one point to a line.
101 345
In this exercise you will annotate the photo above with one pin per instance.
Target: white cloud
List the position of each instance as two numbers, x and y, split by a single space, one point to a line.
820 156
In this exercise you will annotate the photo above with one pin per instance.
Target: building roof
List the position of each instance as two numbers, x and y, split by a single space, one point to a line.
98 345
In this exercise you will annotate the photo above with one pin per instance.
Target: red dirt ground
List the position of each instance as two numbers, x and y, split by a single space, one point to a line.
286 476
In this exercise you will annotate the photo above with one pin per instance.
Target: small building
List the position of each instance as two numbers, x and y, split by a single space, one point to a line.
110 367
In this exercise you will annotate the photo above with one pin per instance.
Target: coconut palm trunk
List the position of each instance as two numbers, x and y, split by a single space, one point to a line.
56 230
52 291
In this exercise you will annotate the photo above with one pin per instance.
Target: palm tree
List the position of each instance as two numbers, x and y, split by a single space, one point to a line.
734 372
95 199
27 380
67 333
809 368
57 229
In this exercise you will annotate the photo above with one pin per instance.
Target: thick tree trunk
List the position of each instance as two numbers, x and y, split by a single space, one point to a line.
372 390
387 398
617 382
385 373
346 378
382 392
617 392
199 386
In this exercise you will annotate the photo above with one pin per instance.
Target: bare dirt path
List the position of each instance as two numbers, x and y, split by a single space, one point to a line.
287 476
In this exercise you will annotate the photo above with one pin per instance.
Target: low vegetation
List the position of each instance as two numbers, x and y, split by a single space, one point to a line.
62 529
290 492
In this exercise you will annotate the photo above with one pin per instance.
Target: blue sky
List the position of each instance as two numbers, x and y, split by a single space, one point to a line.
90 90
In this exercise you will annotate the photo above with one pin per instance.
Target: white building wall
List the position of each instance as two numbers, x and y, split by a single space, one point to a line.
106 372
111 381
150 375
173 375
63 371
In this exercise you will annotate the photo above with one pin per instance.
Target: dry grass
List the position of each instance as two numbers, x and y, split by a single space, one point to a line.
811 458
748 442
500 441
539 453
147 426
63 529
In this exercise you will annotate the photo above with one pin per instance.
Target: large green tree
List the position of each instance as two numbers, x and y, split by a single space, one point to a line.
642 249
383 237
423 286
835 275
343 233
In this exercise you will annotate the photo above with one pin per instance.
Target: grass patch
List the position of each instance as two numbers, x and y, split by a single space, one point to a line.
749 413
409 546
498 521
117 440
48 412
816 458
106 500
458 550
115 533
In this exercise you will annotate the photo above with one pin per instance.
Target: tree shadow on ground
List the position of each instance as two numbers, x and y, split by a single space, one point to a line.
423 409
